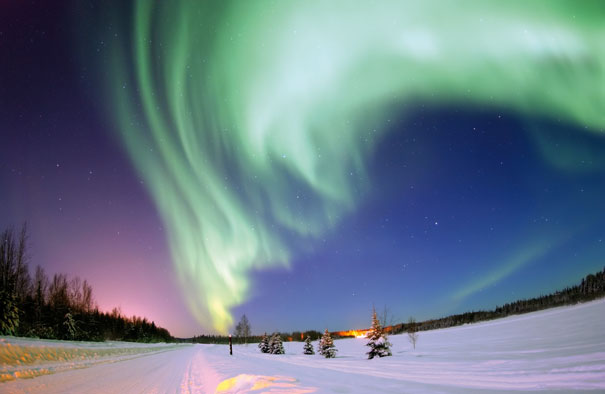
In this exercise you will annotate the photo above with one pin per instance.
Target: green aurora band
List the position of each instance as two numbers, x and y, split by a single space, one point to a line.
246 118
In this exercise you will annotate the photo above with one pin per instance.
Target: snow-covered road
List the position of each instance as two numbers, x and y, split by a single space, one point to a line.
161 372
557 349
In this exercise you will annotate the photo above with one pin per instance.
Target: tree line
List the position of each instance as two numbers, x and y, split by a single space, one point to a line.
59 307
590 288
242 334
295 336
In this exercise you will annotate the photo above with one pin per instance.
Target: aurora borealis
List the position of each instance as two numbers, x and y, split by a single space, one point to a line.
271 137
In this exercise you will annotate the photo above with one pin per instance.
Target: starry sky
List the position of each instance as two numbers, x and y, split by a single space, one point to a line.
301 162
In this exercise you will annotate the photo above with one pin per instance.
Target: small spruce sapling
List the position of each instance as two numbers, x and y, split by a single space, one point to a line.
276 344
328 350
320 349
378 342
264 344
308 348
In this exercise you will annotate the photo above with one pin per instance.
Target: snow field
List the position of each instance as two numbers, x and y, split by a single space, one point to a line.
561 349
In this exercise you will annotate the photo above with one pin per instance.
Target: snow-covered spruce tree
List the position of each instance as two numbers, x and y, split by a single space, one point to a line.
276 344
308 348
264 344
271 341
328 350
379 344
320 344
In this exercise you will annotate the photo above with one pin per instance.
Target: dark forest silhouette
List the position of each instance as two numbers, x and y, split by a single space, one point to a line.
590 288
61 307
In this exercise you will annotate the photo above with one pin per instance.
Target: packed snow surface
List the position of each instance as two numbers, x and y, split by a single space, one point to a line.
556 349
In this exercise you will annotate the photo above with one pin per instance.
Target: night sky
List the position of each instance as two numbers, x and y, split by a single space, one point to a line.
302 162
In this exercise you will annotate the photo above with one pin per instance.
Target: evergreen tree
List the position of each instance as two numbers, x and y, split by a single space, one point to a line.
71 329
264 344
379 344
320 346
9 314
326 346
275 344
308 348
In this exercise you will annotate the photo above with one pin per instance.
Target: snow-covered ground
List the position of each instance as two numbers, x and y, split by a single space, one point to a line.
557 349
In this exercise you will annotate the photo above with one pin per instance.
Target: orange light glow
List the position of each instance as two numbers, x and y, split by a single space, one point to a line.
353 333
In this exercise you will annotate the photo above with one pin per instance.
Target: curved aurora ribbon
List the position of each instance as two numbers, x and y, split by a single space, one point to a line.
246 119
